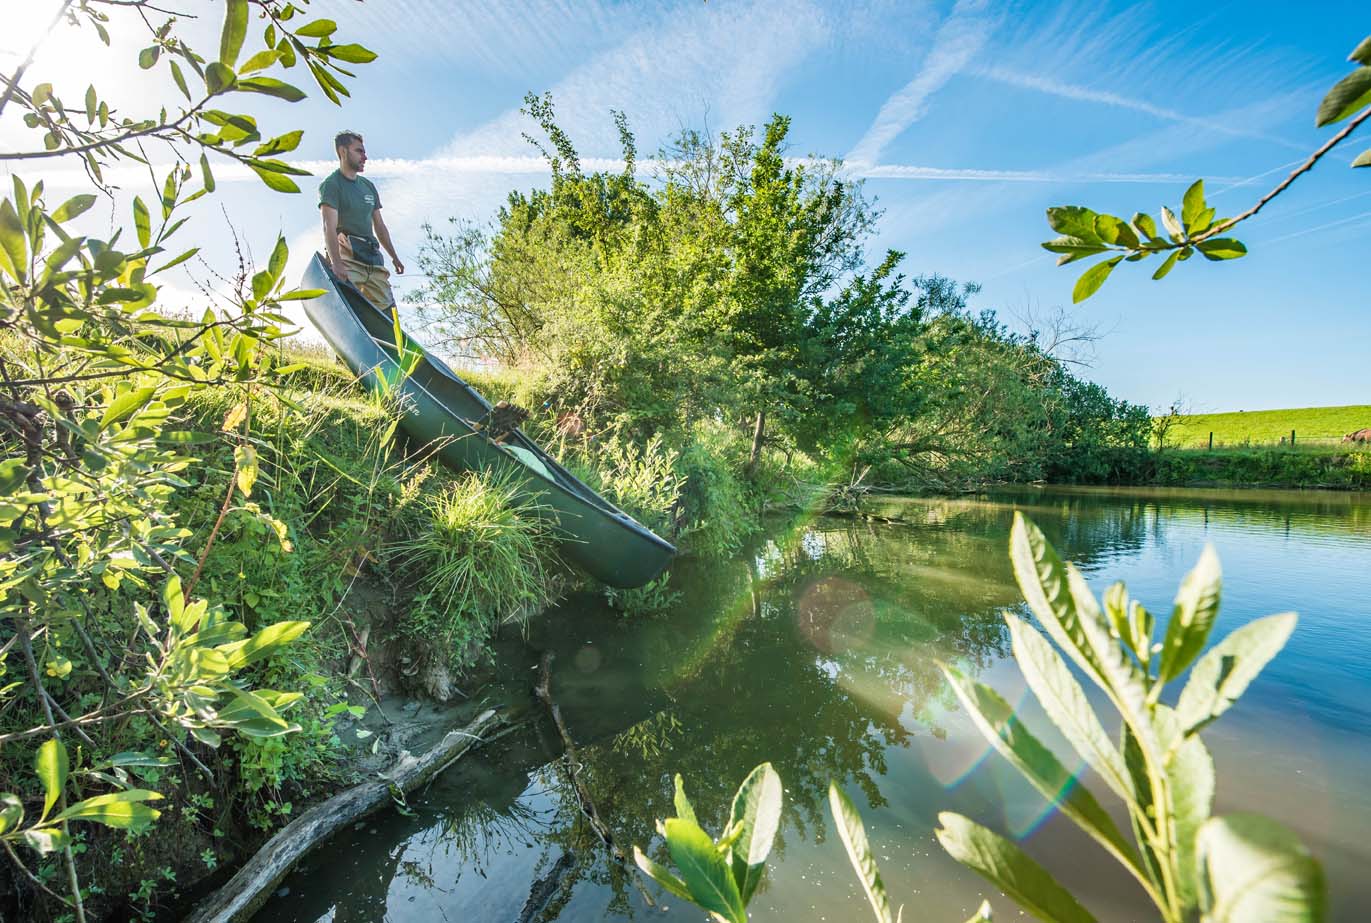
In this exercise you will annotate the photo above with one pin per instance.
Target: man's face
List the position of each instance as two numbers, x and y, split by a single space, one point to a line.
355 155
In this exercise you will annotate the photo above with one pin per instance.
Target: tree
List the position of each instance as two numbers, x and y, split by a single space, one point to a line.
93 377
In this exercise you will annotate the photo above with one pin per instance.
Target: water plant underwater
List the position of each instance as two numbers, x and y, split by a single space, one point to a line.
1192 865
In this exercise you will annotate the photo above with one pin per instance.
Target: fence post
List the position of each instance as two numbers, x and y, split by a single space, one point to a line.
1292 438
1211 440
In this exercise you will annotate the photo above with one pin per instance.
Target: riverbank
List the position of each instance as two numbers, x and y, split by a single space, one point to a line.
1331 467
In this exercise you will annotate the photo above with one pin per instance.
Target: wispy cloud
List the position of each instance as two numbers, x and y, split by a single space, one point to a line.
958 40
1052 87
900 171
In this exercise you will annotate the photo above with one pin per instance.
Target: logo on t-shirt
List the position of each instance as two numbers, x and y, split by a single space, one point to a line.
370 199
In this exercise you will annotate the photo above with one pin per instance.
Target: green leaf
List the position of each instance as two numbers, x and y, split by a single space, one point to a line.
756 814
142 221
147 58
1091 280
852 832
1192 618
1173 226
262 644
704 871
1065 703
280 144
13 241
180 78
271 87
1114 230
1221 248
1166 266
1363 159
276 181
121 810
353 54
276 263
175 262
1042 579
219 77
661 874
1010 869
45 840
260 61
125 404
320 28
300 294
1349 95
683 808
1074 221
1253 870
76 205
1146 226
1001 727
1193 205
205 172
261 284
235 30
1072 249
1362 53
1223 674
1190 774
50 764
250 713
11 813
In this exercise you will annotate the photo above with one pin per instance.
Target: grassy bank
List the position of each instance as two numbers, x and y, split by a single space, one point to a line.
1327 466
1267 427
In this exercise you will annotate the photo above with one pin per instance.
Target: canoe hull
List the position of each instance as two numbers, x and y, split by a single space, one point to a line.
439 408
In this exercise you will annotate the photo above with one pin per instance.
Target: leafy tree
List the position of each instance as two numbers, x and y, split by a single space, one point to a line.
112 646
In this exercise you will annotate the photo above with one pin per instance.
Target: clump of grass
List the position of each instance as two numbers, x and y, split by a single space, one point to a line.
479 556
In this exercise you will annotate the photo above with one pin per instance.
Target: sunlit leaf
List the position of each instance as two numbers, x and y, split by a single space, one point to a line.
1223 674
703 870
245 461
756 815
1010 869
50 764
234 31
122 810
353 54
1193 206
1349 95
1221 248
1166 266
262 644
1253 870
76 205
1091 280
683 806
660 874
852 832
1192 618
270 86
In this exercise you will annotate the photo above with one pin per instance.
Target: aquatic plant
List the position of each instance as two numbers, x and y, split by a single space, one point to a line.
1236 868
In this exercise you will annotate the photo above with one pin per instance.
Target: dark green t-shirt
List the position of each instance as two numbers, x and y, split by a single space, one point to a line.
355 200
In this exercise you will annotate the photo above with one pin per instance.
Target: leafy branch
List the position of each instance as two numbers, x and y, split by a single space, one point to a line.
1085 233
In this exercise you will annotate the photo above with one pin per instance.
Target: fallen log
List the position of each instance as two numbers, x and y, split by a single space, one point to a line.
246 891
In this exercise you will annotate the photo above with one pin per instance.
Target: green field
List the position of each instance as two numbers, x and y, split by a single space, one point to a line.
1312 425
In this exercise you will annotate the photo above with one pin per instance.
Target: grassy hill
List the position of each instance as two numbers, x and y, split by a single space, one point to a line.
1266 427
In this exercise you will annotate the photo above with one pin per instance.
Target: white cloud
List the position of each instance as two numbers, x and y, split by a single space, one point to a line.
959 39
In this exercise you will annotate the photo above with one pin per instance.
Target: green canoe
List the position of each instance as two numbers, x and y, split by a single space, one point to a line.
600 538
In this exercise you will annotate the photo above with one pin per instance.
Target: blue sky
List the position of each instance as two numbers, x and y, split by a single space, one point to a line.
966 119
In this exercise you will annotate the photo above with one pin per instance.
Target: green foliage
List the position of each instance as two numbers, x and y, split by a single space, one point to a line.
720 875
1085 233
100 448
1267 427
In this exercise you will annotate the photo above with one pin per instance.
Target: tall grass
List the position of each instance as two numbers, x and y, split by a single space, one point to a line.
481 550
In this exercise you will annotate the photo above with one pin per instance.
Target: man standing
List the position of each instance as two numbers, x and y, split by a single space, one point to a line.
351 209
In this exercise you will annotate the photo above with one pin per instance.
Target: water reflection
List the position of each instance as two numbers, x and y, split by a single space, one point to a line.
817 650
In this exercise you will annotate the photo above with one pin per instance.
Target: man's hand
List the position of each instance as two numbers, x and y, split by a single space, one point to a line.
399 266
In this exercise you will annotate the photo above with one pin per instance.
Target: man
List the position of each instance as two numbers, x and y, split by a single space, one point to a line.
351 209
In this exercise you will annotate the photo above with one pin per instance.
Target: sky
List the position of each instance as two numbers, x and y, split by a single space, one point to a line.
965 119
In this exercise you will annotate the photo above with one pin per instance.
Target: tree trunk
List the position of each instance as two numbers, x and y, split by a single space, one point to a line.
758 434
252 885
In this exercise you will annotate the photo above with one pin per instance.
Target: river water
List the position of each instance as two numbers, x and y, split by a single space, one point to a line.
816 650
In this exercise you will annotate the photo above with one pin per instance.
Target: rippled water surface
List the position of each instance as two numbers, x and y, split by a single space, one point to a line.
816 650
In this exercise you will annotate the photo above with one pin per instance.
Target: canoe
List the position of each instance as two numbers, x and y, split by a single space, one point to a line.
438 406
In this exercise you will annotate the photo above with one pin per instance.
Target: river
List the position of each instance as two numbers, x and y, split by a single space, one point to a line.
816 650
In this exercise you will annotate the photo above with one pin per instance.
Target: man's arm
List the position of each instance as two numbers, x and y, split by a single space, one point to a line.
383 235
335 258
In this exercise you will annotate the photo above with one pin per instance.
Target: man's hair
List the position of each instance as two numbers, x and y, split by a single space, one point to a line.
344 139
